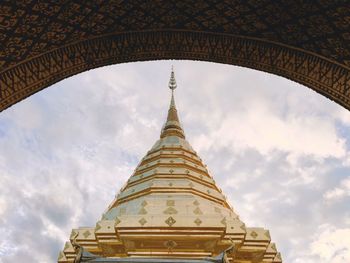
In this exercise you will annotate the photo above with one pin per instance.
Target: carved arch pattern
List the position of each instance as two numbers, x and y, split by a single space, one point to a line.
324 76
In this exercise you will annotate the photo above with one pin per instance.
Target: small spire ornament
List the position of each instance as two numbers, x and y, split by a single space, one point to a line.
172 81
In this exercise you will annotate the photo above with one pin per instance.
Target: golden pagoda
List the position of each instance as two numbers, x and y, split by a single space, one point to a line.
170 210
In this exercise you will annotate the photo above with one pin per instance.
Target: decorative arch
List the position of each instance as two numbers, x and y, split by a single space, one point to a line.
79 37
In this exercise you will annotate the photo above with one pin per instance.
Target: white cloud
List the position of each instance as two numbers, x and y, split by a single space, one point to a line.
261 129
339 192
3 206
332 244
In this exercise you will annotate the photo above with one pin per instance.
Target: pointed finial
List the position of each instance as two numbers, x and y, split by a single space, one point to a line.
172 81
172 126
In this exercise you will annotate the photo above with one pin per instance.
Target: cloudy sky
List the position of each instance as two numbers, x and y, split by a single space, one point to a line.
280 151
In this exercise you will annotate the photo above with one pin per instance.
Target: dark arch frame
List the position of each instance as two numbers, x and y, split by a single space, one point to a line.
324 76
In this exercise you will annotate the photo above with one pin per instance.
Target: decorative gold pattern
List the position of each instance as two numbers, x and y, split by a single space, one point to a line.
170 221
170 211
170 244
142 221
198 222
86 233
253 234
197 211
108 250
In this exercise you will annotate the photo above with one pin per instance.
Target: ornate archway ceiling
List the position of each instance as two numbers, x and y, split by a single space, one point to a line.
43 42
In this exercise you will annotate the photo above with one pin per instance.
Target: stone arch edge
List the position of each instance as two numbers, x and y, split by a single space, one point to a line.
329 79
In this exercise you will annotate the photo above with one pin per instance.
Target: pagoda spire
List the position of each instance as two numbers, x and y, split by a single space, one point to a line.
172 126
170 210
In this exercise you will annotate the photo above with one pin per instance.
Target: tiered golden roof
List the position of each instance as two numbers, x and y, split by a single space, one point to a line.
171 208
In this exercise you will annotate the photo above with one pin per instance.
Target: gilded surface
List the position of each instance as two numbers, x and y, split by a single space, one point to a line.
43 42
172 208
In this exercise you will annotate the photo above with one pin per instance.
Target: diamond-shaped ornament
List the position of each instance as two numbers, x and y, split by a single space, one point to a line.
198 222
197 211
170 244
253 234
86 233
142 221
170 221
